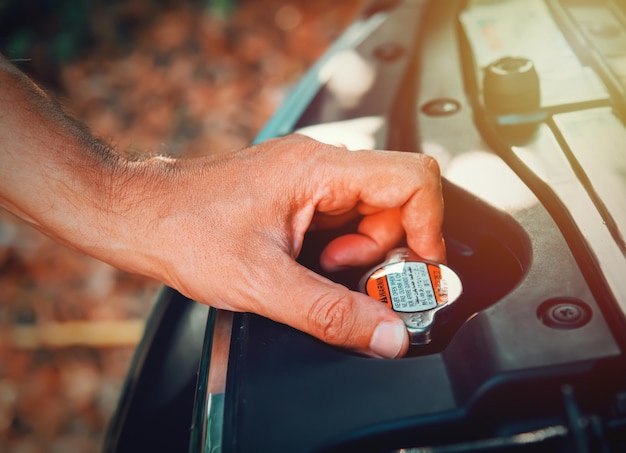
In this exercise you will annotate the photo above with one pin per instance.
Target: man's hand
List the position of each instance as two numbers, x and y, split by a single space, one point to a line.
226 229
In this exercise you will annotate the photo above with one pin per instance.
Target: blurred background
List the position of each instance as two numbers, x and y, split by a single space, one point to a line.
181 78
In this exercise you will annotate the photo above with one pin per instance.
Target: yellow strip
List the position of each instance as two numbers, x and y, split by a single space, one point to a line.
74 333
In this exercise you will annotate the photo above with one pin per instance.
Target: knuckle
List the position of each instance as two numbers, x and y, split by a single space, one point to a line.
431 165
299 152
331 318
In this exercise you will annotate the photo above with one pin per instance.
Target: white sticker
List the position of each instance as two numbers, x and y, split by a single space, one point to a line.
410 288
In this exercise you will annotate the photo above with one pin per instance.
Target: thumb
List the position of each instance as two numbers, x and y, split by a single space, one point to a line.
338 316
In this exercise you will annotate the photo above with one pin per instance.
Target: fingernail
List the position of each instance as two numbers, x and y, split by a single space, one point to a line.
338 268
331 265
388 339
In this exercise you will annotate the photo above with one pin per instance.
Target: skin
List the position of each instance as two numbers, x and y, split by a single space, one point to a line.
225 229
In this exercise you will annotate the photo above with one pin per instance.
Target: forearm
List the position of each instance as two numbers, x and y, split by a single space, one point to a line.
56 176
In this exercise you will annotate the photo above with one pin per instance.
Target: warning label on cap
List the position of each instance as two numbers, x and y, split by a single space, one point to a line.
408 287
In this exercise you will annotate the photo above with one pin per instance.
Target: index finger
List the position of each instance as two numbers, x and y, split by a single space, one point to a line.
382 181
422 215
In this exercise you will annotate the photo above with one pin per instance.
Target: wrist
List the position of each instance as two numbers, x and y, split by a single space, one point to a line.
127 204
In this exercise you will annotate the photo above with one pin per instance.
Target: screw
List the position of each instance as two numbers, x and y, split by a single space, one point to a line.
441 107
388 53
565 314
